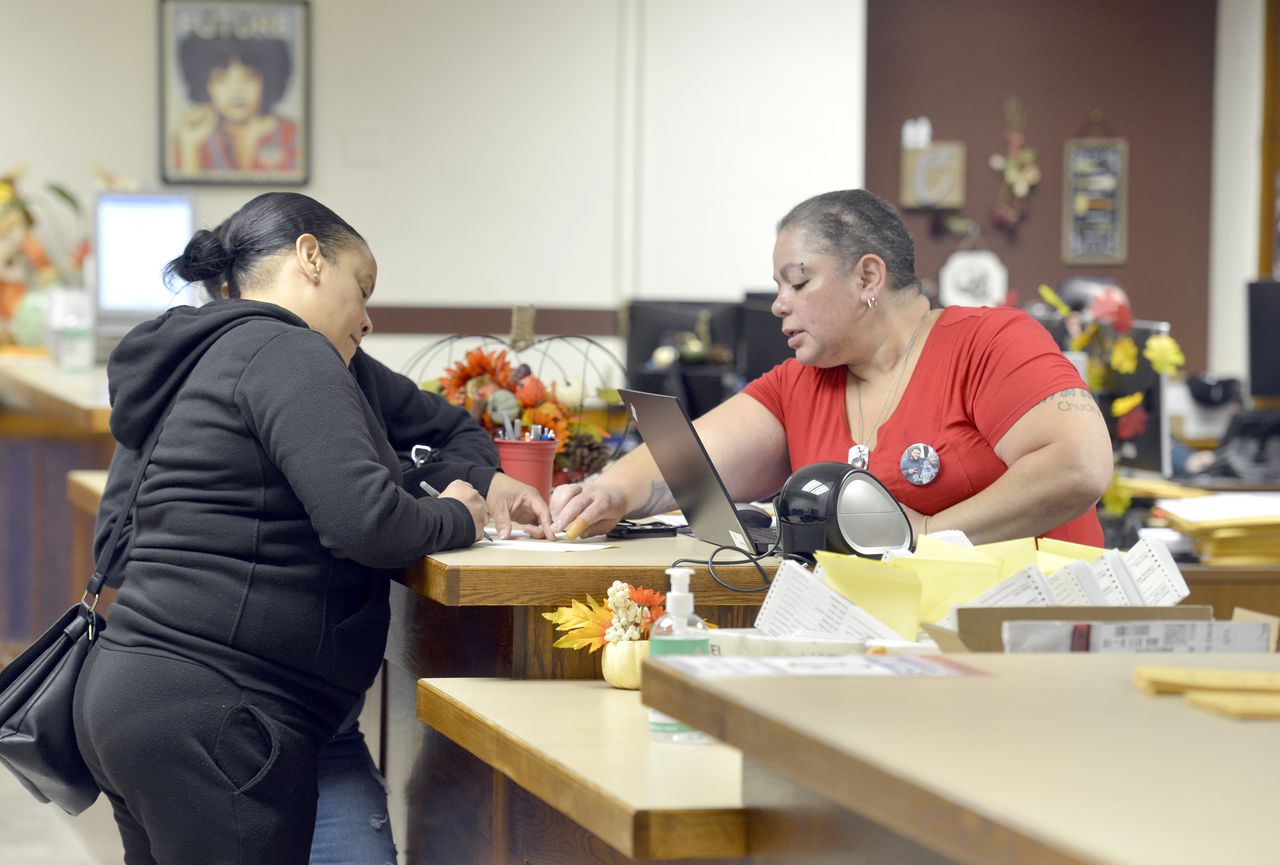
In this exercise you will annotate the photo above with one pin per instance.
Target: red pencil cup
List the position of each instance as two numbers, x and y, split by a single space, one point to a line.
529 461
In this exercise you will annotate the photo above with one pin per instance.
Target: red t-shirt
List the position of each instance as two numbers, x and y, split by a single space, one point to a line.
978 371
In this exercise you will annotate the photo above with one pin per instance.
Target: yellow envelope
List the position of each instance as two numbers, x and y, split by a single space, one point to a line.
1049 562
1014 555
945 583
889 593
932 548
1079 552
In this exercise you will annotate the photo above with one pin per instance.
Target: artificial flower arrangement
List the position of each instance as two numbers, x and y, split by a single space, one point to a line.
498 394
1103 331
43 243
627 613
620 626
1017 168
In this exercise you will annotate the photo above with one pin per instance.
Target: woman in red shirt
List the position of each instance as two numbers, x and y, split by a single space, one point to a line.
972 418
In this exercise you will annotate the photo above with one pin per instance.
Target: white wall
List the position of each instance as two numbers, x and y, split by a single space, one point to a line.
1237 179
746 108
571 152
560 152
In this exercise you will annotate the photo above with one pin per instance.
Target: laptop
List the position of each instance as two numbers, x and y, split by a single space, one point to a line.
693 480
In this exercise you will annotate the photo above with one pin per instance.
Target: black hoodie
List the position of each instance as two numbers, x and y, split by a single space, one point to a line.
272 513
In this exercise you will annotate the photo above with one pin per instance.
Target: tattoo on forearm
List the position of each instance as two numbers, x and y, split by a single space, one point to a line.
659 500
1073 399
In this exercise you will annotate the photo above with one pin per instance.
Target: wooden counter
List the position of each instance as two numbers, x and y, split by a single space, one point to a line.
483 576
50 423
476 612
1050 759
576 756
37 387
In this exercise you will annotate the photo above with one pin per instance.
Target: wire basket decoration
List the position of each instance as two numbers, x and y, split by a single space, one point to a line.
562 385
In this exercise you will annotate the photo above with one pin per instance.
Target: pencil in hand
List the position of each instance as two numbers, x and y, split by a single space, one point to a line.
574 530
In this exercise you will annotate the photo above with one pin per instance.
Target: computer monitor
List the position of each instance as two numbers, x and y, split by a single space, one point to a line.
136 235
649 324
761 343
1264 359
1150 450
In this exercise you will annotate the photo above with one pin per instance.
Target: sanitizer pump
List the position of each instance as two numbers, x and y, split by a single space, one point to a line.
679 632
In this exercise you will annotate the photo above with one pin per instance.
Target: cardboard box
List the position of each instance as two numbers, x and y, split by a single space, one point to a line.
978 628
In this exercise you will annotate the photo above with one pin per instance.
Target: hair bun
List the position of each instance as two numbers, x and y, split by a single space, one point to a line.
205 257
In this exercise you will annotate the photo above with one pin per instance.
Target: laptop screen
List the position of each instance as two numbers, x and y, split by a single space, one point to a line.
686 468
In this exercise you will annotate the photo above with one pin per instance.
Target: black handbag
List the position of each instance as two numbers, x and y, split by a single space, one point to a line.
37 736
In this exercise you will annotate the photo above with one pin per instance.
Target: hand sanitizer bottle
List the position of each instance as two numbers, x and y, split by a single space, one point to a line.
679 632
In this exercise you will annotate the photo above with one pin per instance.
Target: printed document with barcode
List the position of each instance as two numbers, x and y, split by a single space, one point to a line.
798 603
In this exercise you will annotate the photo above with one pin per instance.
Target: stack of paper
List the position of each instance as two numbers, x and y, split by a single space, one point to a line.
1230 528
904 591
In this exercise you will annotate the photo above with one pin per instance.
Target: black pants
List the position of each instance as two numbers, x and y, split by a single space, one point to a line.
197 770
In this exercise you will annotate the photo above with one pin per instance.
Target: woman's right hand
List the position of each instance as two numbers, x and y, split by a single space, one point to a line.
467 494
192 131
196 125
585 509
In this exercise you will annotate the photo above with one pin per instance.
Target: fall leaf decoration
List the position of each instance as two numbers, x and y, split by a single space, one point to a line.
509 400
478 374
627 614
1122 405
1132 424
584 624
1164 353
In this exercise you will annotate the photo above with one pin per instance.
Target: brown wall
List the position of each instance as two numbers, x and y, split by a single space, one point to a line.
1146 65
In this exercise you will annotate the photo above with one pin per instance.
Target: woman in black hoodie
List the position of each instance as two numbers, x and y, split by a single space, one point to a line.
253 612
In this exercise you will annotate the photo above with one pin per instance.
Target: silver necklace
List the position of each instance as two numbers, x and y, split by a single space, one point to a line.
860 454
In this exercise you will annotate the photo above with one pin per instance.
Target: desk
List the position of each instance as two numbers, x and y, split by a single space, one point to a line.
77 401
991 770
477 612
50 423
574 756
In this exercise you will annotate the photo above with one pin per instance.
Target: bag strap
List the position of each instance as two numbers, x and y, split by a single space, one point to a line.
103 565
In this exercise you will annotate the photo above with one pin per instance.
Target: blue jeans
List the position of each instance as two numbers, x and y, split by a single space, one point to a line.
352 826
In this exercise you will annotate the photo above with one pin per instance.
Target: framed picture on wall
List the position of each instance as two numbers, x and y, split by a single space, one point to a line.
235 91
1095 213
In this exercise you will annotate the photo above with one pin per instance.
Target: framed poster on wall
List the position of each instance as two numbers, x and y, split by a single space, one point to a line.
234 91
1095 201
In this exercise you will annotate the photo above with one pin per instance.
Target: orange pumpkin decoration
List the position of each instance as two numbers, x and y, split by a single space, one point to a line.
530 391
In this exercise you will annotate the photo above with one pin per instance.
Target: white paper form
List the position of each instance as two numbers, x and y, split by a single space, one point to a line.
1114 580
1026 588
1073 585
540 546
1155 574
799 603
711 667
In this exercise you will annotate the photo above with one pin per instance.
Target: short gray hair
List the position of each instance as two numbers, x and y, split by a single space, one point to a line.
852 223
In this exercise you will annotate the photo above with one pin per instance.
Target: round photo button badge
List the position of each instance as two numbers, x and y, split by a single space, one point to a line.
919 464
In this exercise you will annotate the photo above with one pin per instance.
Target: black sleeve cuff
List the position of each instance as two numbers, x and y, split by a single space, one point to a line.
440 474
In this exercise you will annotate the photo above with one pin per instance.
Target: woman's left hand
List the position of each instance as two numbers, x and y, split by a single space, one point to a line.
510 501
